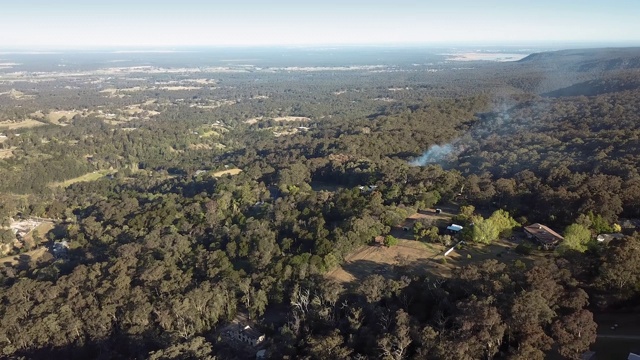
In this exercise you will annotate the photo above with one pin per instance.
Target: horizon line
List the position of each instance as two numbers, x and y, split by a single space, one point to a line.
177 47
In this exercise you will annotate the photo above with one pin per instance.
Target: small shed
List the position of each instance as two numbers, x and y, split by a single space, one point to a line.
455 228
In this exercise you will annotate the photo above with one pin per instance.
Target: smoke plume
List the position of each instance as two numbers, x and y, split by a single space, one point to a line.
435 154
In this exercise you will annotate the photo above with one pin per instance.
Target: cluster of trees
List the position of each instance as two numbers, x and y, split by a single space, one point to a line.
489 310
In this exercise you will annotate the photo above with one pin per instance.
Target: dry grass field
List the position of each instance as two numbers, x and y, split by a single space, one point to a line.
415 256
42 229
12 125
92 176
6 153
54 116
32 255
227 172
278 119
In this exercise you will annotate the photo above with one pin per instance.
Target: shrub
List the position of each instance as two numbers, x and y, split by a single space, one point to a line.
390 241
524 249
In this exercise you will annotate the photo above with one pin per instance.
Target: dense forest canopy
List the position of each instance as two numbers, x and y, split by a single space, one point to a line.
180 193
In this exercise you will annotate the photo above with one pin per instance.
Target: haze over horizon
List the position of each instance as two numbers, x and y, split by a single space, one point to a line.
119 23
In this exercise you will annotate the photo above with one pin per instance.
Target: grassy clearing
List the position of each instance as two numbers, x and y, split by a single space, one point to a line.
209 133
501 250
6 153
32 255
93 176
200 147
10 125
42 230
416 256
54 116
227 172
179 88
278 119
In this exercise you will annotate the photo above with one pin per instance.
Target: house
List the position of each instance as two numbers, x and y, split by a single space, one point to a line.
246 334
546 237
605 238
60 248
633 356
455 228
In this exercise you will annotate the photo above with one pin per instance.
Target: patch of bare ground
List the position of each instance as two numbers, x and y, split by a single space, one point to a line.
227 172
17 95
12 125
54 116
179 88
6 153
28 256
278 119
42 230
285 132
502 250
213 104
412 256
291 118
200 147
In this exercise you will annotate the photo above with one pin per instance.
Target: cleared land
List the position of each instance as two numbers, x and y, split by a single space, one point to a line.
415 256
42 230
92 176
54 116
32 255
227 172
278 119
12 125
420 258
17 95
6 153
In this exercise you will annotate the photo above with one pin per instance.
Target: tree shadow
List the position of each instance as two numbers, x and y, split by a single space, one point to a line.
361 269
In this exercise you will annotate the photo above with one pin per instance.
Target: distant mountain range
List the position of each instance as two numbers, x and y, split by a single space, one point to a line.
580 72
587 60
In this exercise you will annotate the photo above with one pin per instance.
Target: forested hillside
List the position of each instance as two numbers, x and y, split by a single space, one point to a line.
180 201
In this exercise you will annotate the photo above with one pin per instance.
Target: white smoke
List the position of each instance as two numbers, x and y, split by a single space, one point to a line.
435 154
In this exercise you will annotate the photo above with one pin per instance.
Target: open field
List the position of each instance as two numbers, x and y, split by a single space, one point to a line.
213 104
378 259
501 250
227 172
92 176
54 116
423 258
42 229
179 88
6 153
17 95
32 255
11 125
200 147
278 119
209 133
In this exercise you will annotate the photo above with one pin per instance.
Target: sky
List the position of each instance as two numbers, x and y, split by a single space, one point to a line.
187 23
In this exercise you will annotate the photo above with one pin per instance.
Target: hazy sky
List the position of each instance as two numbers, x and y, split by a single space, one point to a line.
96 23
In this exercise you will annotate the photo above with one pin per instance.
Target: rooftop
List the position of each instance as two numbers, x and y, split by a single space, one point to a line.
543 233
